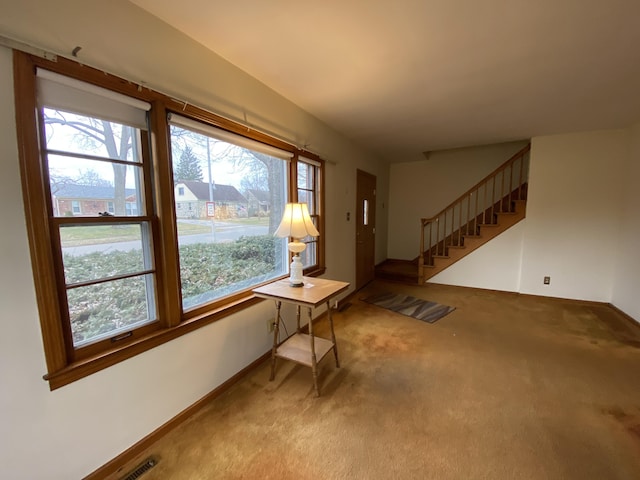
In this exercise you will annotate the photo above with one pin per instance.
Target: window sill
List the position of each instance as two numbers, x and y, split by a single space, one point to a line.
80 369
87 366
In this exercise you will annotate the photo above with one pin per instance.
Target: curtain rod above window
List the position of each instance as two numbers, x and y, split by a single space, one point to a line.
68 94
48 55
24 47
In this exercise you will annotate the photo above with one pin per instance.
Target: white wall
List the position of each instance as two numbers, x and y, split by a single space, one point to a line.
626 283
582 227
495 265
72 431
573 214
422 189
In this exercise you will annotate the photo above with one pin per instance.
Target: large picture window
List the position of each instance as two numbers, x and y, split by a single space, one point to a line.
145 224
230 194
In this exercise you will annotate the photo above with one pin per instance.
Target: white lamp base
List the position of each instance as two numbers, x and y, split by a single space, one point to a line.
295 276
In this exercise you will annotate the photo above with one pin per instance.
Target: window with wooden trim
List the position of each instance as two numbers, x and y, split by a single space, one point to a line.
235 190
308 191
144 223
92 155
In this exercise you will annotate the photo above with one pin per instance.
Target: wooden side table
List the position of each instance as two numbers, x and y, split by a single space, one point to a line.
304 349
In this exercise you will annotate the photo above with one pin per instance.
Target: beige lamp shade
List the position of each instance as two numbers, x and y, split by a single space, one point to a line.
296 222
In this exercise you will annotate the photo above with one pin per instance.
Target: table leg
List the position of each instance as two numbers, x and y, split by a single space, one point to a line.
274 348
314 362
333 335
298 318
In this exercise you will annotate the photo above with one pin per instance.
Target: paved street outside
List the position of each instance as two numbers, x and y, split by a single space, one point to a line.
224 232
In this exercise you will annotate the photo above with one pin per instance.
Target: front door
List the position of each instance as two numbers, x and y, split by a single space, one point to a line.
365 228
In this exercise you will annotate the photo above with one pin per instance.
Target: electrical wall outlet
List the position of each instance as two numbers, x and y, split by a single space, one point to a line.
271 324
546 280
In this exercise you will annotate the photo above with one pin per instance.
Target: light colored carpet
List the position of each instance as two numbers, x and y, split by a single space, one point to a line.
508 387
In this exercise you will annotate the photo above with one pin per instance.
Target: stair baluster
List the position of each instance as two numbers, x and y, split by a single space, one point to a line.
483 208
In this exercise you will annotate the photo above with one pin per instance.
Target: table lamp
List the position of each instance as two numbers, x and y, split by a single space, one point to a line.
296 224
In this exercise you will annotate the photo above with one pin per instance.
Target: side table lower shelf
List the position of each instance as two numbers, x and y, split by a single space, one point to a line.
304 349
298 348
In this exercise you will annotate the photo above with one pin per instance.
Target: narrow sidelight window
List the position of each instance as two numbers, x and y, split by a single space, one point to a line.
308 188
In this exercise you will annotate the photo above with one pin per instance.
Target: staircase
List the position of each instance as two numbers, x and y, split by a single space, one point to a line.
483 212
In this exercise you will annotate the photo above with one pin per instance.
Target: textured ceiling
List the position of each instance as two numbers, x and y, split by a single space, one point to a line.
401 77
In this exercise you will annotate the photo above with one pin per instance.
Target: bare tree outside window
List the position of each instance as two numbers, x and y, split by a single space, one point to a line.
100 137
106 228
239 250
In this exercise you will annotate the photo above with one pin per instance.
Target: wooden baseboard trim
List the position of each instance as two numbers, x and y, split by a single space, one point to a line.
347 300
626 316
121 461
575 301
113 466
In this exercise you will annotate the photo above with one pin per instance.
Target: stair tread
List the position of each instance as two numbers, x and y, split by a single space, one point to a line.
499 216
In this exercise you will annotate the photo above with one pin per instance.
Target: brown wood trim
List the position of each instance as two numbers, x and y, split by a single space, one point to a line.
292 180
318 186
449 241
62 367
205 309
322 242
626 316
573 301
86 366
98 348
34 197
215 120
117 464
315 272
165 230
350 296
85 73
502 167
98 220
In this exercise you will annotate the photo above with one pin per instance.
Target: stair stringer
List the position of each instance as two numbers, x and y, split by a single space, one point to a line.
471 243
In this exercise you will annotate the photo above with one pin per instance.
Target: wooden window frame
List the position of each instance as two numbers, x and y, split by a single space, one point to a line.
317 191
63 367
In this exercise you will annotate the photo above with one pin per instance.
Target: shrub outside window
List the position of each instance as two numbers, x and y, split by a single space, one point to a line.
131 250
107 263
92 155
234 192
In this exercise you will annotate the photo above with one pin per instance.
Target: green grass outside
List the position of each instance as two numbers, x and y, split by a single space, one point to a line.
91 235
248 221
